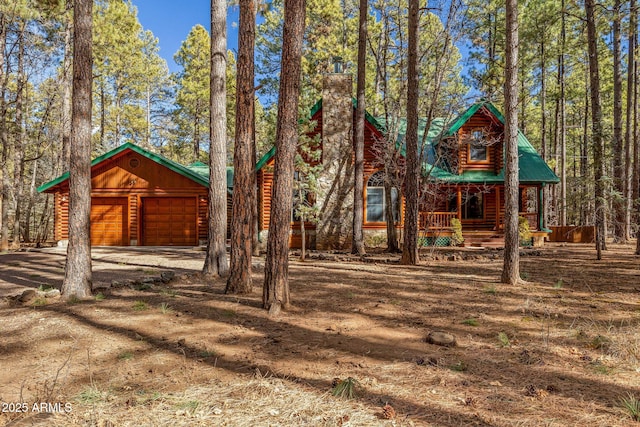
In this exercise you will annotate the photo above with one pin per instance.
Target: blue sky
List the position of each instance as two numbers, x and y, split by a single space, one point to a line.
170 21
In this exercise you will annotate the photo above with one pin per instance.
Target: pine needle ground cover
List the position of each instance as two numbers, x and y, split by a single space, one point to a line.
536 354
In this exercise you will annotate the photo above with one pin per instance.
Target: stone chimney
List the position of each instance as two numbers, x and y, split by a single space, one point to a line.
337 115
335 196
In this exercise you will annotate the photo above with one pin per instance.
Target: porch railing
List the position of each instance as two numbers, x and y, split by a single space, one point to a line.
442 220
435 220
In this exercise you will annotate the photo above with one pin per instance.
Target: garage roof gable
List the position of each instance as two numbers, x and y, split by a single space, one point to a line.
175 167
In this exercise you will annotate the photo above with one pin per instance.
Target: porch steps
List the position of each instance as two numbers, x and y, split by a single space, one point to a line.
483 239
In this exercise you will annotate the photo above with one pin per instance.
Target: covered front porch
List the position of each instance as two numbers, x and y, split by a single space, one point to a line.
480 210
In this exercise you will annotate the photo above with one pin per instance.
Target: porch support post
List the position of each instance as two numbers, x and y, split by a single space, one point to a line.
497 208
541 208
459 203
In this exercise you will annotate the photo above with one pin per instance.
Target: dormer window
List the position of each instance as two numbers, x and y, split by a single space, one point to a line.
478 147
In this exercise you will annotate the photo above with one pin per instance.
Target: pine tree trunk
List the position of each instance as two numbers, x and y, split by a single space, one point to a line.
215 263
77 279
388 157
103 115
511 267
276 281
303 239
28 212
18 148
357 243
584 162
239 281
147 128
635 191
619 231
42 231
392 234
563 123
255 240
4 142
543 131
410 247
5 184
597 132
65 113
118 112
630 114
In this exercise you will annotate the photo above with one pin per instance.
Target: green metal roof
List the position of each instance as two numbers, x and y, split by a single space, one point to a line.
532 168
187 172
203 170
428 153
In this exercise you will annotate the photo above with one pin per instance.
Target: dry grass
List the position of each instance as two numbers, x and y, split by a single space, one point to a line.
532 355
257 401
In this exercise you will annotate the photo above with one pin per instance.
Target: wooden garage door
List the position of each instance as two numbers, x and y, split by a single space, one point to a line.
169 221
109 221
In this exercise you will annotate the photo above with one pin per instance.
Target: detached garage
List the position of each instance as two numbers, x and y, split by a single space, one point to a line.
139 198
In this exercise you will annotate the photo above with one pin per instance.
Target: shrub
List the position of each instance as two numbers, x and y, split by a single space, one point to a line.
504 340
470 322
345 388
456 236
632 406
140 305
523 230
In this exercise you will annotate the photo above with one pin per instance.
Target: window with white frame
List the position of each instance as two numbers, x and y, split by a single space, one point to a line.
376 200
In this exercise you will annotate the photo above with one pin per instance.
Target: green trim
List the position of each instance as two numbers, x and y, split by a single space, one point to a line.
368 117
175 167
265 159
316 107
463 118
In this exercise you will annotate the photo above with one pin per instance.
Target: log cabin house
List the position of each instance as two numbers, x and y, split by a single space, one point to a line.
462 163
464 167
139 198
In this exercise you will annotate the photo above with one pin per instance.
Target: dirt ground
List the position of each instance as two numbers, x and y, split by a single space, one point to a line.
561 350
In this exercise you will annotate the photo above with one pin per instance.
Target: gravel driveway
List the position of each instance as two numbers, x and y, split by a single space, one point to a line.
35 267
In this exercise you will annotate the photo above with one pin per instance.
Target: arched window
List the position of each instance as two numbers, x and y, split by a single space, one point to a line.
376 200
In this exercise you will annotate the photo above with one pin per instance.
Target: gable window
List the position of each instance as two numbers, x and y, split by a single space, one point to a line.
478 147
376 200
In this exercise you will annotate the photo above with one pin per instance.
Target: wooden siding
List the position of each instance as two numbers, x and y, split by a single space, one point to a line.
265 183
61 216
573 234
494 151
203 218
134 214
121 173
371 162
